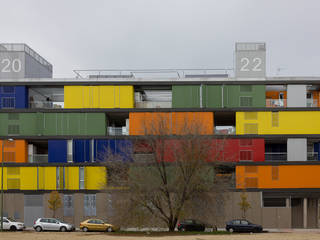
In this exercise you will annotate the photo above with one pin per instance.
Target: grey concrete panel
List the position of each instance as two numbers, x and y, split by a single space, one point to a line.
297 149
12 65
33 209
296 96
312 213
250 60
33 69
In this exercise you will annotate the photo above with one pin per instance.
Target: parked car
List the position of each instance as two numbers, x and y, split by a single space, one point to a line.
194 225
52 224
12 225
97 225
242 225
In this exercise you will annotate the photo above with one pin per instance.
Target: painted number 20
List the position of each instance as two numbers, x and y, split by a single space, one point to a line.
11 66
256 65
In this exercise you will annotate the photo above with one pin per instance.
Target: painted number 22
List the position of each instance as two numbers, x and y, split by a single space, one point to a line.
11 66
256 62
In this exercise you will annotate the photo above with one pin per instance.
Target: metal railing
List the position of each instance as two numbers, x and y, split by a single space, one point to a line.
38 158
312 102
276 156
228 130
39 104
276 102
117 131
312 156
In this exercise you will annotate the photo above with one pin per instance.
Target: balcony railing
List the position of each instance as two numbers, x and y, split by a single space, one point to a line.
276 156
312 156
312 102
151 104
117 131
38 158
276 102
227 130
40 104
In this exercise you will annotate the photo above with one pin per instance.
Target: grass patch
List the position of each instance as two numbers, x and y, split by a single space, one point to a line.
159 234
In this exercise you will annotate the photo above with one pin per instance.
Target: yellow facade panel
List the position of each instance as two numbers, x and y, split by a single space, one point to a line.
95 178
28 178
285 122
50 178
98 97
5 186
72 178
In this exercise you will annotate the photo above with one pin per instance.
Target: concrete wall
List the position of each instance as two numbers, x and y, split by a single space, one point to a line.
297 149
296 96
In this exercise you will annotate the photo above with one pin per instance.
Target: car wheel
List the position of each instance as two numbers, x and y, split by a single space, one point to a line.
63 229
231 230
109 229
38 229
13 228
85 229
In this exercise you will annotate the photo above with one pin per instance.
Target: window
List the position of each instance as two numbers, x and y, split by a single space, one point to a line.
8 102
250 128
246 155
251 169
9 156
251 182
274 202
275 119
245 142
68 205
245 101
81 178
250 115
60 178
243 222
89 205
44 220
8 89
13 129
245 88
236 222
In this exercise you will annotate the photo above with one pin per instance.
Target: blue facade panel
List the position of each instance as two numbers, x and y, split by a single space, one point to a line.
81 150
13 97
317 149
122 149
57 151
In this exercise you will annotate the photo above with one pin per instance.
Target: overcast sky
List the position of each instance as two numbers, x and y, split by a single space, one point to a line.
140 34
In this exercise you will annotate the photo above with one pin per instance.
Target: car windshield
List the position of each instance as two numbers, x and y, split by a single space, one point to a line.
11 219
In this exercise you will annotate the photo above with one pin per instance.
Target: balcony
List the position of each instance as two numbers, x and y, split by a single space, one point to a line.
42 104
224 130
282 156
274 103
312 102
38 158
275 156
118 131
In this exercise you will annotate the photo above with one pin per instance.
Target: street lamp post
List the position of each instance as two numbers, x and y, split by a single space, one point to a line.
2 166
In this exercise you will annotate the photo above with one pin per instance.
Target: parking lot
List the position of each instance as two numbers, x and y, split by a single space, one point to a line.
30 235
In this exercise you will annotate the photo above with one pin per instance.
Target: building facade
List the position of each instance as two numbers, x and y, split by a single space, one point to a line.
54 134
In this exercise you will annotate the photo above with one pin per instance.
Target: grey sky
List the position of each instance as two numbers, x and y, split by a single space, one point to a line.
75 34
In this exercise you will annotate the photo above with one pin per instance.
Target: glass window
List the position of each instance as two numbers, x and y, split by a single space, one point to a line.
90 205
236 222
81 178
8 89
60 178
68 205
91 221
44 220
274 202
8 102
244 222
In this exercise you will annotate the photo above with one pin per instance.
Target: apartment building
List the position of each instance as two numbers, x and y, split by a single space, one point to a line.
54 133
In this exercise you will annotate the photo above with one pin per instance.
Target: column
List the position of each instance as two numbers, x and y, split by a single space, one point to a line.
305 212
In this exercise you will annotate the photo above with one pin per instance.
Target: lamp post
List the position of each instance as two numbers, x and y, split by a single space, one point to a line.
2 165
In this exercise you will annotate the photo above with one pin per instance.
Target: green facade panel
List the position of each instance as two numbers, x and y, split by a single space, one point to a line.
217 96
52 124
187 96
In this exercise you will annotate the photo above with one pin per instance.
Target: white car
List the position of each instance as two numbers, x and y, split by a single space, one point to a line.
52 224
12 225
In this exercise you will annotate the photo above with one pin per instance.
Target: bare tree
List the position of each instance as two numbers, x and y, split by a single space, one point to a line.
54 202
244 204
178 171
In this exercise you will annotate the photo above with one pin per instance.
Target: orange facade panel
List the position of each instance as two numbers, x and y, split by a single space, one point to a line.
176 123
282 176
15 151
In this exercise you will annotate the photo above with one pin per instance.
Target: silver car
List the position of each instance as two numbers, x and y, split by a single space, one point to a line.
11 224
52 224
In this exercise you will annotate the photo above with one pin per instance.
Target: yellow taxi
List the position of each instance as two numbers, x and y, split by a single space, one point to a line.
97 225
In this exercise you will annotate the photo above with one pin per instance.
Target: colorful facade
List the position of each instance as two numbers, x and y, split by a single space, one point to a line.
263 131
